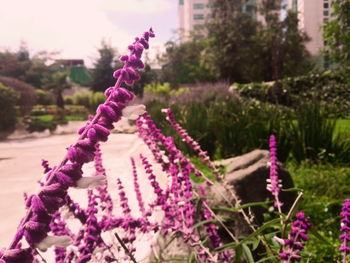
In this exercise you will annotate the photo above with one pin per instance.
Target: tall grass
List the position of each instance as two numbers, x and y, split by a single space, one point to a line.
227 125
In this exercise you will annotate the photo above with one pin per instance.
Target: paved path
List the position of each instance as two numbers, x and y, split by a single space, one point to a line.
20 169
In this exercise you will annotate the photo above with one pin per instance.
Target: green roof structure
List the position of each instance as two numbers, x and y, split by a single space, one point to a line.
80 75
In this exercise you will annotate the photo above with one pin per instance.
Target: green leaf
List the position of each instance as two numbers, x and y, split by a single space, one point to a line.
257 232
204 222
247 254
319 236
236 209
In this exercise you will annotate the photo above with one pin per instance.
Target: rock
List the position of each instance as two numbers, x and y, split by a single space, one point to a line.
246 177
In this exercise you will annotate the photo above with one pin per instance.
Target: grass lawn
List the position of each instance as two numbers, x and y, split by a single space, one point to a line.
342 125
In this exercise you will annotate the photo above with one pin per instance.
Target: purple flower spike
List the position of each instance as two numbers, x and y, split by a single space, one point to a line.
296 239
191 142
273 183
345 228
40 208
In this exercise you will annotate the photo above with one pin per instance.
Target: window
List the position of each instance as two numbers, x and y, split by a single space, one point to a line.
198 6
198 16
325 5
181 2
325 13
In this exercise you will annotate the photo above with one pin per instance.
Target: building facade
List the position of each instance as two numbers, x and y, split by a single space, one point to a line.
312 14
192 15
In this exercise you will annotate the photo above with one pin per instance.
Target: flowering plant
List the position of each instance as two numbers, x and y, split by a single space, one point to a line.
180 210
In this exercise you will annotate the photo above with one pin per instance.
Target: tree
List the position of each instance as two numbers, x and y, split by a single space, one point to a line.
337 34
147 76
57 82
182 63
8 101
283 45
102 74
243 49
233 51
20 65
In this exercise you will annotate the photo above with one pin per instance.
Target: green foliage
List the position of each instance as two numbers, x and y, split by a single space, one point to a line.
242 49
330 88
68 100
20 65
312 133
96 99
90 100
82 98
337 33
148 75
28 97
102 73
163 89
225 126
325 188
8 114
57 82
44 97
181 64
41 123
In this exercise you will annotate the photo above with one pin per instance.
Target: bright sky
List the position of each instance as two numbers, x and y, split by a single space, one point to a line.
77 27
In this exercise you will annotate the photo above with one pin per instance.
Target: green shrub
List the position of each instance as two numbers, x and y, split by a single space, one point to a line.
27 96
330 88
68 100
96 99
163 89
44 97
41 123
8 114
82 98
76 110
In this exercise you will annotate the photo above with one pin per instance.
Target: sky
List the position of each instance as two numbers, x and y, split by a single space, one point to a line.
75 28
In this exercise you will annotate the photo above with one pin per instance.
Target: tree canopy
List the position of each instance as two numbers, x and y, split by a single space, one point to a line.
102 73
337 34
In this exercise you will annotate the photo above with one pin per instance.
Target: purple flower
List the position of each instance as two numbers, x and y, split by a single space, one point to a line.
345 228
41 207
273 183
296 239
191 142
137 189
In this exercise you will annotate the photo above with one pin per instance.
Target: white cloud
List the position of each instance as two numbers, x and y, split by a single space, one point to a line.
74 27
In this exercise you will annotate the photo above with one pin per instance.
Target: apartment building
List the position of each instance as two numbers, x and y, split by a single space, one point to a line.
192 15
312 14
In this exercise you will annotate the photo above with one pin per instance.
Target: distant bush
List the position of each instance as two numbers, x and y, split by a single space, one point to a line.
8 114
96 99
41 123
163 89
68 100
27 98
40 110
330 88
82 98
44 97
